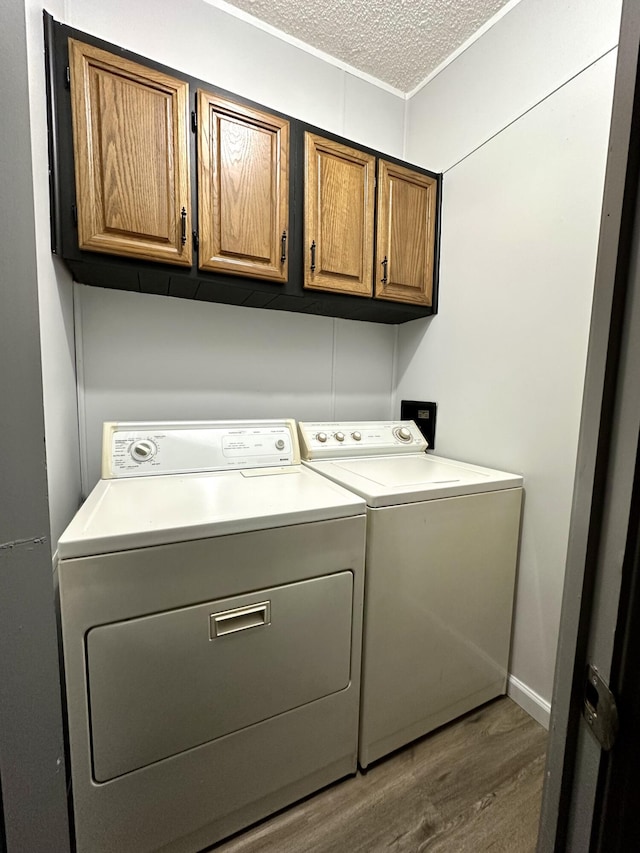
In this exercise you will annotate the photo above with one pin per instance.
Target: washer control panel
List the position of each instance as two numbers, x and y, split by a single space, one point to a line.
181 447
359 438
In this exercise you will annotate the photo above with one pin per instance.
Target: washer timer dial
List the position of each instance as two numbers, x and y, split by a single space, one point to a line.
143 450
402 433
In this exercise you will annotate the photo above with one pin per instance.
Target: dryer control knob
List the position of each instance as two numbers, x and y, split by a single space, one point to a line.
403 434
356 436
322 436
280 444
339 436
143 450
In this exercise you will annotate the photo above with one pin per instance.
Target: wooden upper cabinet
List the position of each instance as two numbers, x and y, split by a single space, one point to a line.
243 189
131 157
405 235
338 217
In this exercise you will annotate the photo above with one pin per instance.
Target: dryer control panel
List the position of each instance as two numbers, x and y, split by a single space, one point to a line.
359 438
183 447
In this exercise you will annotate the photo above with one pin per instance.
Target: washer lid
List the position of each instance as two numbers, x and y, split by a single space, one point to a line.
390 480
138 512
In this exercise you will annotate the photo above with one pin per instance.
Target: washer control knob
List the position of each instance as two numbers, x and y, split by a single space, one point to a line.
403 434
339 436
356 436
143 450
280 444
322 436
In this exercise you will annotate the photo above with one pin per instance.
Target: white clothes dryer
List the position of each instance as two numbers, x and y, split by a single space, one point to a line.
210 593
442 546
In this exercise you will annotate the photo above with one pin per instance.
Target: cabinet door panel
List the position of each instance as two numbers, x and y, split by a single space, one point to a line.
131 157
405 235
339 201
243 189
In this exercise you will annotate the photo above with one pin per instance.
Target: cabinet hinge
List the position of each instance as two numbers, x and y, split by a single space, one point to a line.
196 241
599 709
74 214
67 78
194 121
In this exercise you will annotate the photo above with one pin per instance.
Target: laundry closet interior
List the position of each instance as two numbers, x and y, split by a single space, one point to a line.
512 133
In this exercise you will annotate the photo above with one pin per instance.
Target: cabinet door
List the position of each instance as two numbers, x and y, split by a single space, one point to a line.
338 217
405 232
243 160
131 157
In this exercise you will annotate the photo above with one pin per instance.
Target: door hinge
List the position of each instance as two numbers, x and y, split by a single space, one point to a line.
67 78
194 121
599 709
196 242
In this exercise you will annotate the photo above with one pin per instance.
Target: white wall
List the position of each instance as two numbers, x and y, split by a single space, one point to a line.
143 356
198 39
529 53
505 356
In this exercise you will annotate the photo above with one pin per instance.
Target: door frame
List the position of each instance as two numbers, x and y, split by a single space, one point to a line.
601 538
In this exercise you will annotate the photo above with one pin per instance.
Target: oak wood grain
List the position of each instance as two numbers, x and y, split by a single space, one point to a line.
405 234
131 157
243 190
339 205
472 786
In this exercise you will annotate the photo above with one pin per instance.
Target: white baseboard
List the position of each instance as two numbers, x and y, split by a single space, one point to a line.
529 701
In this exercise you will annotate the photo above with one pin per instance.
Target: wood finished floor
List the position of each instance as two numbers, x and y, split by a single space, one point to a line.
472 786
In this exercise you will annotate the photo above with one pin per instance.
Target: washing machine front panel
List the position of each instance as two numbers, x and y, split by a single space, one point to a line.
438 605
168 682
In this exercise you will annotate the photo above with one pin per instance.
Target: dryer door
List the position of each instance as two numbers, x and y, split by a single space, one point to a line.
168 682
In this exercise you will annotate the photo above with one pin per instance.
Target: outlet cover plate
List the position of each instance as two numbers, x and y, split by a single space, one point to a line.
424 415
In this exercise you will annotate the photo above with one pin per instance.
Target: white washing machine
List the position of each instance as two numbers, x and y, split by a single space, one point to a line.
211 595
442 545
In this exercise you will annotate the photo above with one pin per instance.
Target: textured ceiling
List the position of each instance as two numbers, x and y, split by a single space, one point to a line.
399 42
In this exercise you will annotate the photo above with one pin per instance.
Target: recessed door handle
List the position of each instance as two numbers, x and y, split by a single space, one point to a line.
239 619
